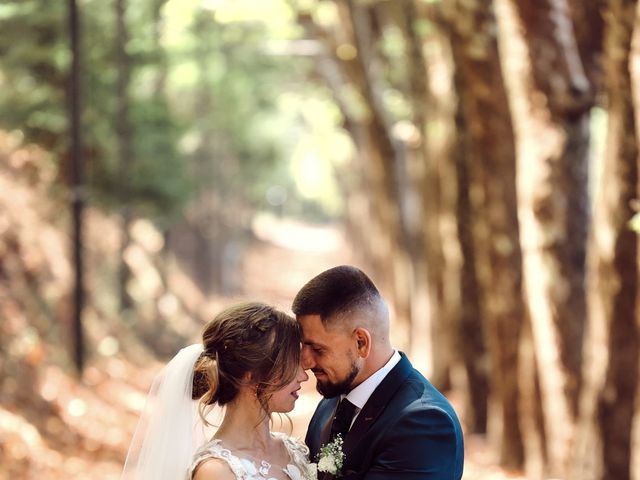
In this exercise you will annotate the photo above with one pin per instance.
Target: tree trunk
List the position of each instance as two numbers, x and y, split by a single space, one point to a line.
380 156
386 157
77 185
160 97
604 443
498 261
159 84
124 146
589 23
470 335
433 324
555 212
361 197
531 406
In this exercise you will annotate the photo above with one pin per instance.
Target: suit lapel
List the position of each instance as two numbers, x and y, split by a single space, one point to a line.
320 426
326 427
376 404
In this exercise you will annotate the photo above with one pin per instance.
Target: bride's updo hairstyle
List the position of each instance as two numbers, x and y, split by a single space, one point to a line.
250 338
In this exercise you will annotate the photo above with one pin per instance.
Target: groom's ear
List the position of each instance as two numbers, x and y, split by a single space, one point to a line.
363 342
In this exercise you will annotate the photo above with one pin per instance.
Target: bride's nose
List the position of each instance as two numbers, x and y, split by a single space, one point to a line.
306 359
302 375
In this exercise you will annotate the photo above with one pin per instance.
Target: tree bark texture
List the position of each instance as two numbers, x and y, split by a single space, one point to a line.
494 227
349 67
124 145
588 23
386 157
555 213
160 82
604 446
77 185
470 332
422 207
558 71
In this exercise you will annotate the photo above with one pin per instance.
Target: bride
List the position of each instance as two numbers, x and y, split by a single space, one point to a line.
247 368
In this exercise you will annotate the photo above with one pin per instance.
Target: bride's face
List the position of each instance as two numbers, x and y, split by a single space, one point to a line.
284 400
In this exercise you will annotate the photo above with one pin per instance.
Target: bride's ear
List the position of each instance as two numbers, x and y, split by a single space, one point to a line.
363 342
247 379
248 385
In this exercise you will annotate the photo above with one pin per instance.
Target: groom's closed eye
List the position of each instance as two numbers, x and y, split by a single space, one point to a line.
315 348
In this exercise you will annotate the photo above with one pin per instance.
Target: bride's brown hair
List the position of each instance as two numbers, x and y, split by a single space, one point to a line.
250 338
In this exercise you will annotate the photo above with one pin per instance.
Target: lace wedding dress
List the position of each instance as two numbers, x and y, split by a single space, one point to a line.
299 467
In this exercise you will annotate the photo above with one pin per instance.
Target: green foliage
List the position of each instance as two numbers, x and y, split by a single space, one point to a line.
234 87
161 183
204 99
33 62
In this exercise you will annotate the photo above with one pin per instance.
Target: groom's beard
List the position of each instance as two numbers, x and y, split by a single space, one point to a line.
330 390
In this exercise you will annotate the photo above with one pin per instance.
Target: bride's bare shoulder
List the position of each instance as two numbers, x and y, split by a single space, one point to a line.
213 469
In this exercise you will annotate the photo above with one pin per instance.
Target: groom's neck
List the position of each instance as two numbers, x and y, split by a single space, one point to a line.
377 359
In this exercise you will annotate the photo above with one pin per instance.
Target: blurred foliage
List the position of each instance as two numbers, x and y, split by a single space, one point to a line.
205 93
34 59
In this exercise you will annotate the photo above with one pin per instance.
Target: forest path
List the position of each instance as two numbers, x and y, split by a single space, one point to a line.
87 433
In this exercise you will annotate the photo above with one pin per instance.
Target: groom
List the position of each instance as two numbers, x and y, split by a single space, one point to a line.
394 423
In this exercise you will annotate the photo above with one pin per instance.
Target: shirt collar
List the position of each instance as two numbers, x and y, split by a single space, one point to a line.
359 395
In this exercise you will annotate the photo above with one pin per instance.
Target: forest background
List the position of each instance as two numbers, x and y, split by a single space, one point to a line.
162 158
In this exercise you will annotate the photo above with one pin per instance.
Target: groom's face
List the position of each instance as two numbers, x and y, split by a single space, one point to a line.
329 353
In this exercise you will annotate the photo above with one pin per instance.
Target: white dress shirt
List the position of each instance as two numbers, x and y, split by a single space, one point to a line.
359 395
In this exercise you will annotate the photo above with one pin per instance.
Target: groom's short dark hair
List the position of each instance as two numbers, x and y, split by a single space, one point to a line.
335 291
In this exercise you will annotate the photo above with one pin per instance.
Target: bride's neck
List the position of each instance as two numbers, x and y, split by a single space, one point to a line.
245 424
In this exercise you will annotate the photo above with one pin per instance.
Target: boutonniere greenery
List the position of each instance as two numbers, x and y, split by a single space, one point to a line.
331 457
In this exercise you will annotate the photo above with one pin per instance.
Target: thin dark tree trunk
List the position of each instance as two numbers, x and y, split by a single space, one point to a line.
209 227
163 67
124 145
77 184
159 95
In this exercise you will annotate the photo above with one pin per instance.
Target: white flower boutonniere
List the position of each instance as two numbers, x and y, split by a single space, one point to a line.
331 457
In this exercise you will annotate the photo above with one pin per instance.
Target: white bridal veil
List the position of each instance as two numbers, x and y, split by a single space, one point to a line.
170 429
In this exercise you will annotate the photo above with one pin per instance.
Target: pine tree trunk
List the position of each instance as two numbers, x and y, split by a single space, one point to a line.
381 156
490 147
470 337
385 155
124 146
433 321
362 201
604 443
160 82
555 213
588 23
77 185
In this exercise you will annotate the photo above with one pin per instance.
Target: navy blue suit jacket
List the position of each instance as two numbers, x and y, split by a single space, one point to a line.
407 430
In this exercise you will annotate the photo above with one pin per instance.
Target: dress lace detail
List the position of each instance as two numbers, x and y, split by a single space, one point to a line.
244 469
